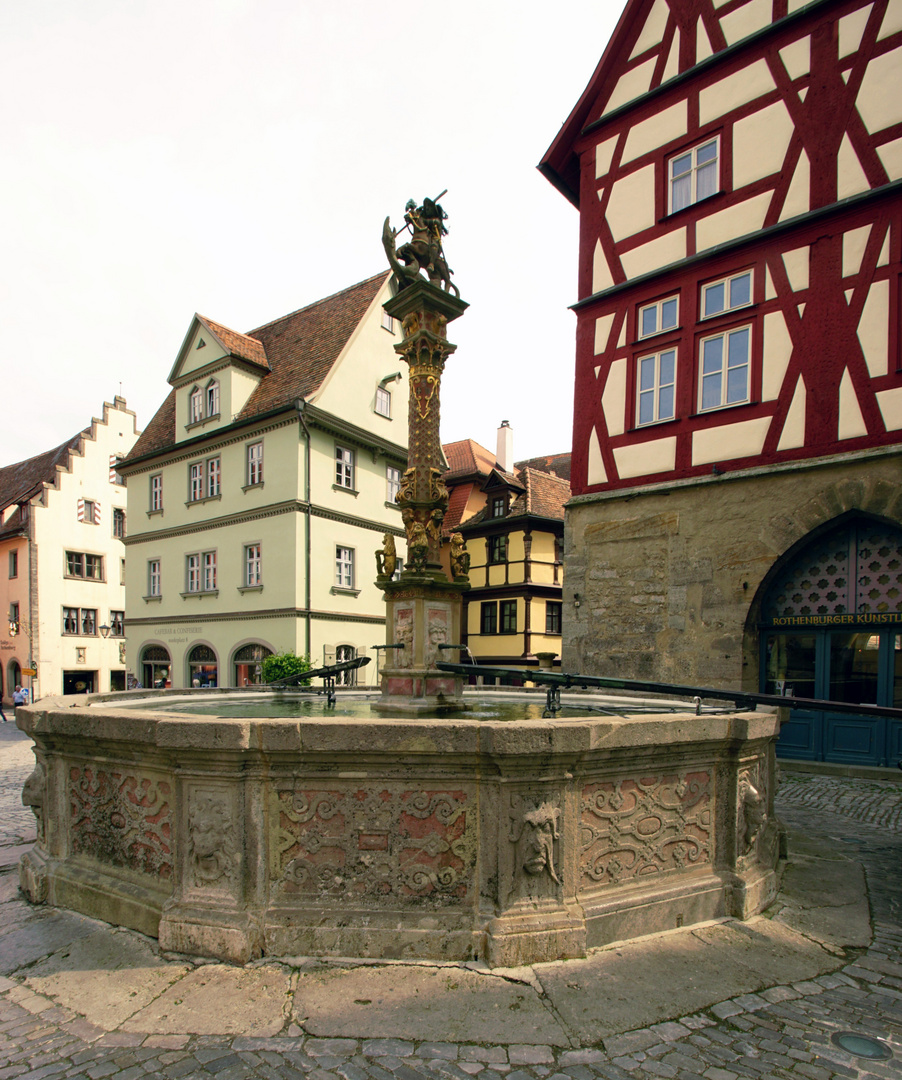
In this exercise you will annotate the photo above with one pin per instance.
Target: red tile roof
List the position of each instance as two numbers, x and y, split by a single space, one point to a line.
299 350
19 482
558 464
466 457
544 496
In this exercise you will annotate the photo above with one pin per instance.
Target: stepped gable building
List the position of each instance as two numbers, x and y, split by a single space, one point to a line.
62 584
260 491
511 516
738 395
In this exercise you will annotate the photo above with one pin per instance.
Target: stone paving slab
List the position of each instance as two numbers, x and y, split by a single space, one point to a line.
217 999
31 933
449 1004
106 977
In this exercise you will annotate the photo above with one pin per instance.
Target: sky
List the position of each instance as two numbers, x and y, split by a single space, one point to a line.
237 158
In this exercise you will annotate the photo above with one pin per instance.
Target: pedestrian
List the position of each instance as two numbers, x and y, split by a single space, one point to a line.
2 713
20 697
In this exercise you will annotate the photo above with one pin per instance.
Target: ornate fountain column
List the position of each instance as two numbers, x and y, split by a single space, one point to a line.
423 605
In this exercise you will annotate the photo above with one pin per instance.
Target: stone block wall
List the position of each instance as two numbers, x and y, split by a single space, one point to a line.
670 577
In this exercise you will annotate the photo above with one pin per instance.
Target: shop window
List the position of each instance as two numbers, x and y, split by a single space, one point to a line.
156 667
202 667
248 664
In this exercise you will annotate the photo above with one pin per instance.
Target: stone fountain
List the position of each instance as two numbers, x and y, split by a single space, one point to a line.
422 832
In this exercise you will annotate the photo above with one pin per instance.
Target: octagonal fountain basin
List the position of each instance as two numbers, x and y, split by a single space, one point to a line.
512 841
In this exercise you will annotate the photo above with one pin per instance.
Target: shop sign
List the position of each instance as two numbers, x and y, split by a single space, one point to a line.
866 618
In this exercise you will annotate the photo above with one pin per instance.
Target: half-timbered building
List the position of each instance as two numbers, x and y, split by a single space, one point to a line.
738 391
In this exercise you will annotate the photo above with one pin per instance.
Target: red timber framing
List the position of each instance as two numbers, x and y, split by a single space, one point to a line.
743 159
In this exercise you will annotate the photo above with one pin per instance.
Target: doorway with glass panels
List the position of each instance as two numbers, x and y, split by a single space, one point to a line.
831 628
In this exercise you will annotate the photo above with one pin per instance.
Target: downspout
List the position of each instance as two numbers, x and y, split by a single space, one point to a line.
300 406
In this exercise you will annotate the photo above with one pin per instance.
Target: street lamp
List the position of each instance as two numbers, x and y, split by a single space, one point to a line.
105 631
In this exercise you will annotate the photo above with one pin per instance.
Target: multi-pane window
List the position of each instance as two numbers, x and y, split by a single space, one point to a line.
89 512
497 549
658 317
498 506
383 401
488 618
655 387
694 175
388 322
156 492
254 463
196 481
70 620
392 482
212 398
13 564
553 616
209 571
192 568
14 619
117 624
88 621
214 477
725 368
196 405
344 467
727 294
508 616
344 567
119 522
153 578
253 565
81 565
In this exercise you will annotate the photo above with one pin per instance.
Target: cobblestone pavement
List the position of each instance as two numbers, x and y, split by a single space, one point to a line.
780 1031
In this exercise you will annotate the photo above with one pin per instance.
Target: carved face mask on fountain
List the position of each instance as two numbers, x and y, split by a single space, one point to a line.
540 832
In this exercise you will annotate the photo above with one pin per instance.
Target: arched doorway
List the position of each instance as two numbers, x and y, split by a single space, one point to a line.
247 663
13 677
203 667
831 627
156 667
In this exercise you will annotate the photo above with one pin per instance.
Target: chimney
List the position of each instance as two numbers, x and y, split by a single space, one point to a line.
504 454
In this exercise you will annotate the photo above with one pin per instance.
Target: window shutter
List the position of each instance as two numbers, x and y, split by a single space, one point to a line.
81 509
96 513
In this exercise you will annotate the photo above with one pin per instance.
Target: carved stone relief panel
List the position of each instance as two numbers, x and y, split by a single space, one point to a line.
122 818
751 808
534 831
403 636
213 850
438 628
378 843
34 794
630 829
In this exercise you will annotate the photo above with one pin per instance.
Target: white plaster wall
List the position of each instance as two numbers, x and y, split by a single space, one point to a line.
760 142
739 220
851 422
613 400
664 250
741 22
656 131
728 441
793 434
735 90
631 207
642 459
879 100
873 328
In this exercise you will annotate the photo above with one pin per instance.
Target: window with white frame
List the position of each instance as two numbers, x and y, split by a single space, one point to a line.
727 294
658 317
656 378
214 477
196 406
254 464
117 624
196 481
388 323
209 571
192 573
344 567
344 468
156 492
383 401
392 483
724 376
253 565
213 397
154 586
694 175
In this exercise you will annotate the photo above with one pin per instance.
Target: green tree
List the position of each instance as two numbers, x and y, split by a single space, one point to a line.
284 665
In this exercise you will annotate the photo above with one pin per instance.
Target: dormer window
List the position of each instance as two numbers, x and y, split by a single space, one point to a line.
213 397
196 406
499 506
